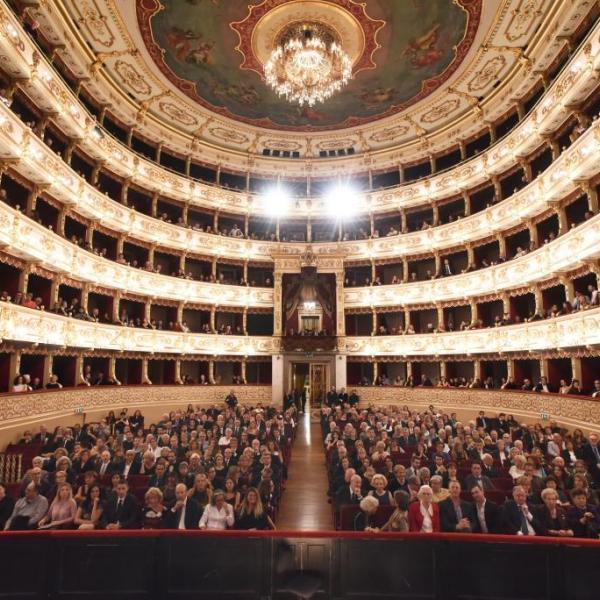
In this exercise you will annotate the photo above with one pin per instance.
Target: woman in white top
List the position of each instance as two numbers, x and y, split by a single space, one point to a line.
19 384
218 514
518 468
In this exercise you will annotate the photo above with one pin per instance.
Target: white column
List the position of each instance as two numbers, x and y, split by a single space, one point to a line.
277 390
340 371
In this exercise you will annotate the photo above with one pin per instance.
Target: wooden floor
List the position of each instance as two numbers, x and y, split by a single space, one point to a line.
304 503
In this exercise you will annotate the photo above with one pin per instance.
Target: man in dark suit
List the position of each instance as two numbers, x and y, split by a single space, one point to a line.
590 453
483 421
456 515
121 510
518 517
353 398
332 397
105 465
185 513
487 516
159 478
43 437
350 494
476 477
487 466
231 400
131 464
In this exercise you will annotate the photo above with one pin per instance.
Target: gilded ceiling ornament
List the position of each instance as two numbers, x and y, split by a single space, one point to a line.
389 134
487 74
523 18
95 22
130 77
178 114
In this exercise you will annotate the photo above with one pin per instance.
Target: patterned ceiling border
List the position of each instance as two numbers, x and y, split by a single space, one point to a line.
146 9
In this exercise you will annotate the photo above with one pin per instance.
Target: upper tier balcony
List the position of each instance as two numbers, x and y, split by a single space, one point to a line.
36 162
570 88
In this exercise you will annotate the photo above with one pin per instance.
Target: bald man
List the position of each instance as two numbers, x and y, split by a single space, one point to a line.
185 513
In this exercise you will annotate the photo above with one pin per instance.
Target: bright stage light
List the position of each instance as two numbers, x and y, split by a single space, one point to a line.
277 200
341 201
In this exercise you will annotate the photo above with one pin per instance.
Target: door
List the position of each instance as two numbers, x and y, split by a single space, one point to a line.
319 375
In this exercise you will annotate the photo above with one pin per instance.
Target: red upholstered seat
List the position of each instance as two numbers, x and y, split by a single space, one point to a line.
12 490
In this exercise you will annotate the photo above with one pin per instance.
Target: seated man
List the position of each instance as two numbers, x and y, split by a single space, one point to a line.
456 514
518 518
28 511
121 510
487 516
477 478
186 513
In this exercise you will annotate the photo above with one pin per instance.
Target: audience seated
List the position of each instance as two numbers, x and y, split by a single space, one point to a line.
491 475
120 474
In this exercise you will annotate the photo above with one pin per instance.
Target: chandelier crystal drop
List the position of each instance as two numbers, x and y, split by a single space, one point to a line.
308 64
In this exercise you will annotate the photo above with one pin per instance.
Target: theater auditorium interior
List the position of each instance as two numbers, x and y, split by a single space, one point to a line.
299 299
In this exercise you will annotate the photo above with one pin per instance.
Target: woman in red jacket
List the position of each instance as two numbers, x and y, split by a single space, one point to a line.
424 515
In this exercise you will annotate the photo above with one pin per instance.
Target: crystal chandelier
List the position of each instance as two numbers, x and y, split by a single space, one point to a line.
308 65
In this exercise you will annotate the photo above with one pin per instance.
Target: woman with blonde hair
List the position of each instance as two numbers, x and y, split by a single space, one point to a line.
518 469
252 515
62 511
202 491
379 491
153 513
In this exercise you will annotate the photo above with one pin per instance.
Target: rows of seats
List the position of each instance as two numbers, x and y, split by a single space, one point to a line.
231 449
410 450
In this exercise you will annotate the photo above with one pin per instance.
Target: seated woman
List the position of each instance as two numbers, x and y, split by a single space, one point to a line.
218 514
379 491
252 514
363 521
89 513
153 513
424 515
232 496
398 521
518 469
62 511
552 516
202 490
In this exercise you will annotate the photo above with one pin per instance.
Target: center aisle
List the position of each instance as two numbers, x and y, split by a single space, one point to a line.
304 503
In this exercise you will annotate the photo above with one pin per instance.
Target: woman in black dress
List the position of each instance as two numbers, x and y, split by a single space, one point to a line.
252 515
153 513
552 516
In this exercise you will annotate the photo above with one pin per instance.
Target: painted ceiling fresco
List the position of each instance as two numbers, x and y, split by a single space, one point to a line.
421 45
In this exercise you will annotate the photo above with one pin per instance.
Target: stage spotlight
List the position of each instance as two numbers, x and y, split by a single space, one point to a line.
277 200
342 201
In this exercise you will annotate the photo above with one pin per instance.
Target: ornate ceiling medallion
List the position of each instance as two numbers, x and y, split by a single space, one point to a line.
346 20
308 64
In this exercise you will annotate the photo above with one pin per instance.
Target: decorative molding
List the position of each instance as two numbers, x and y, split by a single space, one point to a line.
38 327
564 254
27 325
574 330
570 411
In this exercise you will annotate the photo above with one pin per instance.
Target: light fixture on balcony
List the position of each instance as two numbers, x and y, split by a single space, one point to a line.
308 64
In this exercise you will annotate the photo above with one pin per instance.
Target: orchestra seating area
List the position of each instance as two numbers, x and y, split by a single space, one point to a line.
494 453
